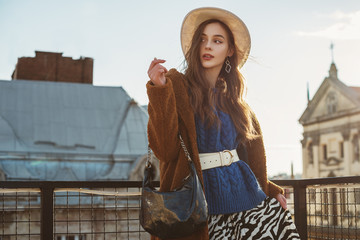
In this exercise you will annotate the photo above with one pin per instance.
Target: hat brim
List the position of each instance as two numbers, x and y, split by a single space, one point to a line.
197 16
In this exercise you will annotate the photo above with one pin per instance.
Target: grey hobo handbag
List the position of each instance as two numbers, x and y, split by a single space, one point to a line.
177 213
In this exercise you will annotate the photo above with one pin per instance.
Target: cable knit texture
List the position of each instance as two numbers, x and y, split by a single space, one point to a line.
228 189
170 113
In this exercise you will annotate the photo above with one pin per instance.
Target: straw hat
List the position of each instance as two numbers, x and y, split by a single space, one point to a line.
197 16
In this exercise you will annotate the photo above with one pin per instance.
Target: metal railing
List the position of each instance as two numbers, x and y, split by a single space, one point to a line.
327 208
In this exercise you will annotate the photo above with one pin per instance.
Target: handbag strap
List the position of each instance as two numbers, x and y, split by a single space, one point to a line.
185 149
148 164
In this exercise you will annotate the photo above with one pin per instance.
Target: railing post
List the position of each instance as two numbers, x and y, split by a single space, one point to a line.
47 212
300 211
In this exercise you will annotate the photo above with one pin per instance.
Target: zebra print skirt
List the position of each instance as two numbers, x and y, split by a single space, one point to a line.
268 220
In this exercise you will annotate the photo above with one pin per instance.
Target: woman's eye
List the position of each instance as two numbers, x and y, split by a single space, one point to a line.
218 41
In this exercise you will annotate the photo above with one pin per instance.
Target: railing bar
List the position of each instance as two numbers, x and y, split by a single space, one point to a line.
97 192
300 210
352 186
127 211
3 214
79 214
20 234
348 212
55 212
318 181
98 220
29 213
355 196
131 231
116 216
19 190
328 214
67 213
16 216
92 217
308 201
341 209
47 213
317 205
70 184
104 218
334 228
139 229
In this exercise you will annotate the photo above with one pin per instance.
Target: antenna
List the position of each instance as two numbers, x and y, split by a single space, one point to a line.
332 52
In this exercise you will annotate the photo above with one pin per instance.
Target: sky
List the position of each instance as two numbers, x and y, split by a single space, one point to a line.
290 49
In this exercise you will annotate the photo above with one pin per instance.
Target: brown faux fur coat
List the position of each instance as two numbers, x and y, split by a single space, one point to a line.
170 112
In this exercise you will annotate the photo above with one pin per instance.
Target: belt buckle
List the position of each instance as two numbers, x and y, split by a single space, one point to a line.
231 157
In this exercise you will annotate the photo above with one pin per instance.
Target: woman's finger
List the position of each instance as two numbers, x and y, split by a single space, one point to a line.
152 72
156 61
282 200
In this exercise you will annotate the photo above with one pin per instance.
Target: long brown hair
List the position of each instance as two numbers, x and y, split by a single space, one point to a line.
228 96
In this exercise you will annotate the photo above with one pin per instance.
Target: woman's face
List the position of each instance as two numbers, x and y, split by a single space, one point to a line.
214 47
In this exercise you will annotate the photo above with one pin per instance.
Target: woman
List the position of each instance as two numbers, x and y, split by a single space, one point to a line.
206 106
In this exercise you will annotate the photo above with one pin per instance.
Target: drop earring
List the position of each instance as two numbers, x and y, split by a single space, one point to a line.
228 65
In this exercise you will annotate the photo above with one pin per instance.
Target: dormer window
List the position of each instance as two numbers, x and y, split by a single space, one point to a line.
331 102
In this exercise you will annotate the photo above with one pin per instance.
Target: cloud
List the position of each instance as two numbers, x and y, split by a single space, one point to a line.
346 27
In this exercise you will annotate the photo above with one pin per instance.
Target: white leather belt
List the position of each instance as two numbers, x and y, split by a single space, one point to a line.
218 159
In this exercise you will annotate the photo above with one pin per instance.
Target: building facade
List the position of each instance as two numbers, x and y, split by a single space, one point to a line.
331 122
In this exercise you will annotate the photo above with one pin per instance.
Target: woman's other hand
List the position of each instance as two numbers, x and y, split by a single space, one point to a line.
282 200
157 72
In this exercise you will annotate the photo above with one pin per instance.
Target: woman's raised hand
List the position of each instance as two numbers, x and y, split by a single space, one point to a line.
157 72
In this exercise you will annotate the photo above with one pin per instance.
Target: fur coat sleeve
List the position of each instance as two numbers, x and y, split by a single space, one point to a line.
170 113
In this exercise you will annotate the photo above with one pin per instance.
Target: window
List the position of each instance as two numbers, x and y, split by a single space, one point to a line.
341 149
324 152
310 153
356 148
331 102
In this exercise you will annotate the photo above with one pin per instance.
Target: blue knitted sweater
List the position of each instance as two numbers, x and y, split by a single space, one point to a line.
228 189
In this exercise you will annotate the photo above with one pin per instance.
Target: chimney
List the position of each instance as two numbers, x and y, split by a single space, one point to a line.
51 66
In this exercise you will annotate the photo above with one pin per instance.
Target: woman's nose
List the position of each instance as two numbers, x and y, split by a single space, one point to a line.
208 45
